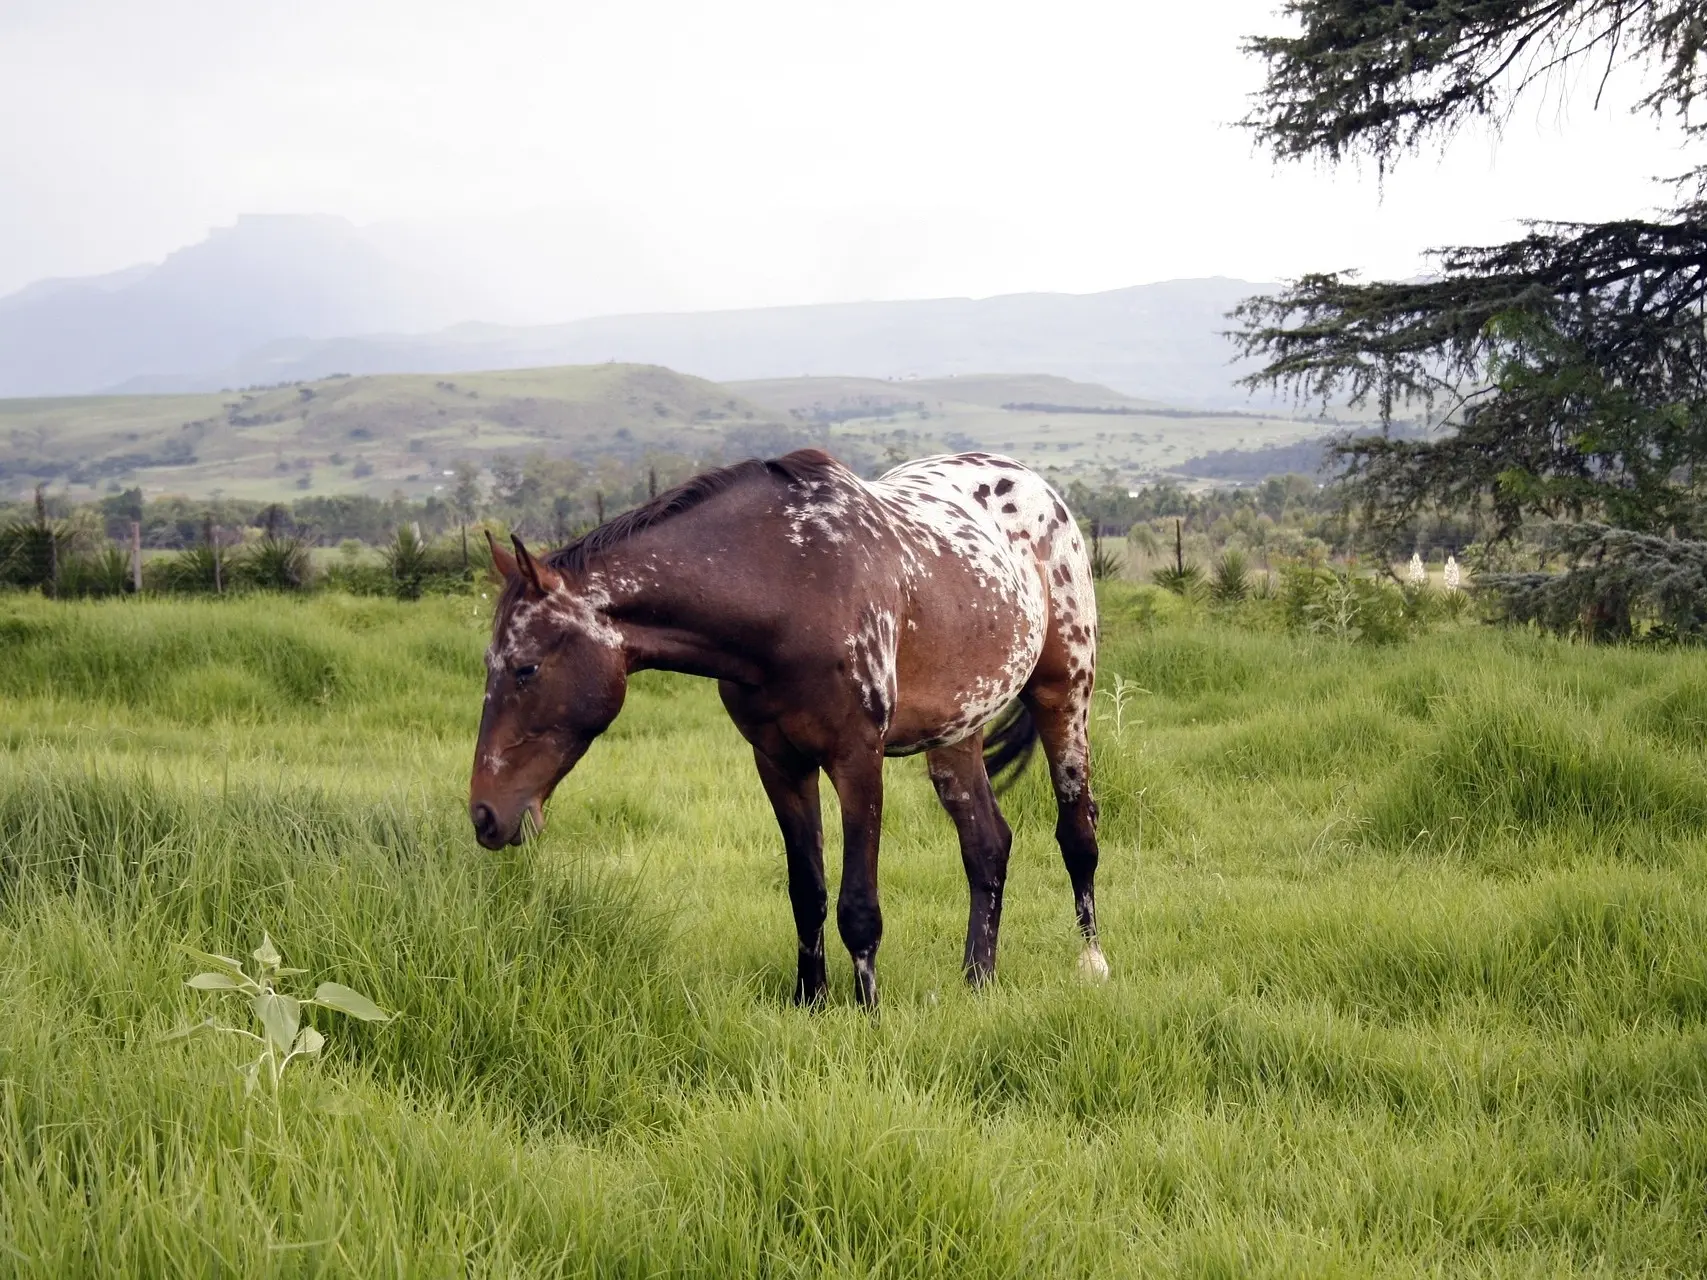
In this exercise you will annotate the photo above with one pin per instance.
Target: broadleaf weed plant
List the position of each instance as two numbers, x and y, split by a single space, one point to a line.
1122 693
282 1037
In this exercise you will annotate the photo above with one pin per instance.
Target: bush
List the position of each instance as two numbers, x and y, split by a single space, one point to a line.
1185 580
104 573
1229 586
1620 584
26 553
275 563
416 566
196 569
1348 605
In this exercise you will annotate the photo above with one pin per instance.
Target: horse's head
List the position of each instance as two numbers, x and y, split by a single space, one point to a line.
555 678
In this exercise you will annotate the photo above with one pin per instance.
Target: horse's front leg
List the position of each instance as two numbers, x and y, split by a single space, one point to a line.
791 782
858 779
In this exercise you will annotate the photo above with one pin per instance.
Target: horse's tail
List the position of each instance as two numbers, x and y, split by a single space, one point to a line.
1008 744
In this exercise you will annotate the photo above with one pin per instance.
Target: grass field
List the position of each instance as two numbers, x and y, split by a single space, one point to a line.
1409 955
1049 426
377 434
389 433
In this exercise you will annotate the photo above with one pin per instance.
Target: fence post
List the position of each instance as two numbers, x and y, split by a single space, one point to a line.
652 482
599 503
50 582
136 556
213 550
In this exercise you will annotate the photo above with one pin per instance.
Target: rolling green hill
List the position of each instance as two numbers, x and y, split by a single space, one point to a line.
388 433
1078 429
370 434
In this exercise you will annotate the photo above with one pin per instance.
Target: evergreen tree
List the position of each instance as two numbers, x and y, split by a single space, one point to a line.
1569 362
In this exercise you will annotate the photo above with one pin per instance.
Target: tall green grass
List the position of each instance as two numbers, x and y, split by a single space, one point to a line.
1409 948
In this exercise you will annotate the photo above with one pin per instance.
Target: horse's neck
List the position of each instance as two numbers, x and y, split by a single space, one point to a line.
672 617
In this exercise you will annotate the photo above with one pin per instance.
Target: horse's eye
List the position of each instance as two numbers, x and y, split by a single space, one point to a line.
524 674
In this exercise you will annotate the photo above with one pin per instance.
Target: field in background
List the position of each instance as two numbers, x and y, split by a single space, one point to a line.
388 433
1079 429
1409 955
378 434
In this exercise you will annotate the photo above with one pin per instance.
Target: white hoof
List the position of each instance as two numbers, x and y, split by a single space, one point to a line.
1092 966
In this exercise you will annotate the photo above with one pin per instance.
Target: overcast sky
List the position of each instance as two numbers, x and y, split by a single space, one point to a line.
737 153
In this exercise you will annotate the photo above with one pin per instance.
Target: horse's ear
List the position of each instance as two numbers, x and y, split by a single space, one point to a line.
502 560
540 577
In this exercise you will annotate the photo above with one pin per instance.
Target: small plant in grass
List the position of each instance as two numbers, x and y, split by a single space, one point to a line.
282 1037
1123 692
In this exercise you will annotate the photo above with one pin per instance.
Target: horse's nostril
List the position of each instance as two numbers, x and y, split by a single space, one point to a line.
485 821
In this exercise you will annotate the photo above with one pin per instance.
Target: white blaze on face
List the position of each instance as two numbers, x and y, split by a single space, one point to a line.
533 624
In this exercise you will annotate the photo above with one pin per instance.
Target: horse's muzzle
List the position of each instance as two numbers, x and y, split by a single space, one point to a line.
493 833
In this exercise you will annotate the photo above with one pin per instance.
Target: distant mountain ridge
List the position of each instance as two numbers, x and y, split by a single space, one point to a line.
205 306
284 299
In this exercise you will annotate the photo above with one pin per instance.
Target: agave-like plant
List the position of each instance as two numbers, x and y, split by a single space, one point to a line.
1183 580
1229 585
203 567
410 560
277 563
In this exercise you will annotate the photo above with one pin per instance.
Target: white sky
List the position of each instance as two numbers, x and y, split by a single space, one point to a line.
672 153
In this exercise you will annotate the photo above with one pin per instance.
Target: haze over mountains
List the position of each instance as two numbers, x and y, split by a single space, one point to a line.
286 298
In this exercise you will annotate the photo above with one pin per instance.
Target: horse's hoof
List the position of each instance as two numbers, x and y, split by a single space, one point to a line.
1092 966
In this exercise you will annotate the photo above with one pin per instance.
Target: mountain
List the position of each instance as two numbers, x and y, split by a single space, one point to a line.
1157 341
205 306
281 298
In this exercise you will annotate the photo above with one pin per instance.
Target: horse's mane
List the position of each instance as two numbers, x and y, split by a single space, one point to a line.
802 464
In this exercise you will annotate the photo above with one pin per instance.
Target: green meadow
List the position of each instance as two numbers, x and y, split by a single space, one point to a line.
1409 952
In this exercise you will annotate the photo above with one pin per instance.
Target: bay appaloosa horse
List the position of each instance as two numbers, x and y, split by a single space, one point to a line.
843 621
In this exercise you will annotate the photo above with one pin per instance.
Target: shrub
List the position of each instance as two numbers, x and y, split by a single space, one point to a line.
415 566
276 563
1228 586
26 553
1347 605
1184 580
103 573
203 567
1620 583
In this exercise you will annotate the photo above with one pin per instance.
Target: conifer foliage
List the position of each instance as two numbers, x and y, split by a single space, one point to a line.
1571 364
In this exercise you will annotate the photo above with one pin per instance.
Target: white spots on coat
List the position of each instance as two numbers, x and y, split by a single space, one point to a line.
533 625
872 654
819 512
998 521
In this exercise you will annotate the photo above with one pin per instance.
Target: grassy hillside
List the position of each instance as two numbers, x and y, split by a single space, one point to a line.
371 434
1079 429
1409 951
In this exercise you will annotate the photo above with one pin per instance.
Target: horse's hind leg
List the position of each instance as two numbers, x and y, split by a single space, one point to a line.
858 779
963 786
792 785
1061 710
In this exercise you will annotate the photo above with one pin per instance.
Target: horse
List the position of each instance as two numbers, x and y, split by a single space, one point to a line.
945 608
